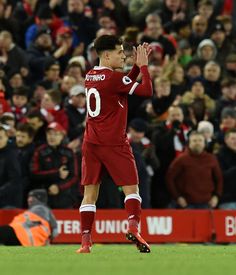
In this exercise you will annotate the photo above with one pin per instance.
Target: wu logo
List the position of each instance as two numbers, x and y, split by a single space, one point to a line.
159 225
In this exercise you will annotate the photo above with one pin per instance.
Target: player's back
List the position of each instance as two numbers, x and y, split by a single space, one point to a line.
107 107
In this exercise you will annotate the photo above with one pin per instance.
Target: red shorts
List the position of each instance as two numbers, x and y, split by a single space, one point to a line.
118 161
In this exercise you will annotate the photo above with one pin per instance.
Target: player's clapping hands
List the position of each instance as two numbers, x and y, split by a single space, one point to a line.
142 52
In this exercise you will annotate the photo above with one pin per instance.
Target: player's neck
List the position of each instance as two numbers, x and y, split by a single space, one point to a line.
105 64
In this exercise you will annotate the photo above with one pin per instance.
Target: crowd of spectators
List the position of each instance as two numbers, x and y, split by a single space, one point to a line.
183 138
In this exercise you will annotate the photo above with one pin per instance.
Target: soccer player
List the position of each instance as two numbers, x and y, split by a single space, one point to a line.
105 142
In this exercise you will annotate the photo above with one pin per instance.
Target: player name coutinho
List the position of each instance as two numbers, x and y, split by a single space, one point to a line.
96 77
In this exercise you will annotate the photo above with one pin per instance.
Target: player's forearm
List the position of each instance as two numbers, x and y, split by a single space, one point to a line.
133 74
145 88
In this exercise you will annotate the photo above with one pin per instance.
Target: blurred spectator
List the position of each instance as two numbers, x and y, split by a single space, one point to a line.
12 58
154 33
139 9
63 43
106 22
44 18
92 57
25 149
51 74
227 160
76 112
212 74
75 70
4 105
77 18
206 128
54 167
206 51
117 11
19 103
39 52
198 105
130 35
182 30
7 22
226 8
15 81
145 157
9 122
36 120
24 12
228 88
156 55
230 65
228 121
184 52
51 108
223 45
183 177
155 70
193 71
205 8
199 31
227 22
66 84
36 226
10 185
156 108
169 138
177 78
172 12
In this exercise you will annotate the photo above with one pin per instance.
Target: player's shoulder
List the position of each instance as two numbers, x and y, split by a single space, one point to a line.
98 73
121 77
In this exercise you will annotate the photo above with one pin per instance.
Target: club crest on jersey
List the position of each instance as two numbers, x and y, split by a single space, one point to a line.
126 80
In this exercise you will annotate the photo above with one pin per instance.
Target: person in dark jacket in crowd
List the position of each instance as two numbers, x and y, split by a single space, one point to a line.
10 173
38 123
55 168
228 88
15 57
39 52
228 121
36 226
25 149
76 111
186 188
145 157
227 160
170 139
154 33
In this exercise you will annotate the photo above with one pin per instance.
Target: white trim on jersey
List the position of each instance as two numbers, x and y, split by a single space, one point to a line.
87 208
134 197
101 68
133 88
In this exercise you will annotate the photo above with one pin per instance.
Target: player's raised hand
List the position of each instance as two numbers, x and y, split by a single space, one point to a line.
147 47
142 56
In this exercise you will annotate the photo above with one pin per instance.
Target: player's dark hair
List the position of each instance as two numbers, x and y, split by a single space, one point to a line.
106 42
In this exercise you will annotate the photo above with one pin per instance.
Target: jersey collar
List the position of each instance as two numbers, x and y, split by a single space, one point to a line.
102 68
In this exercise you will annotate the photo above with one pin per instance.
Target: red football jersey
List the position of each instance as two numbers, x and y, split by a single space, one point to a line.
107 92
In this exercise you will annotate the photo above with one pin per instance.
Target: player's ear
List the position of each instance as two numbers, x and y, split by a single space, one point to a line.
106 54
